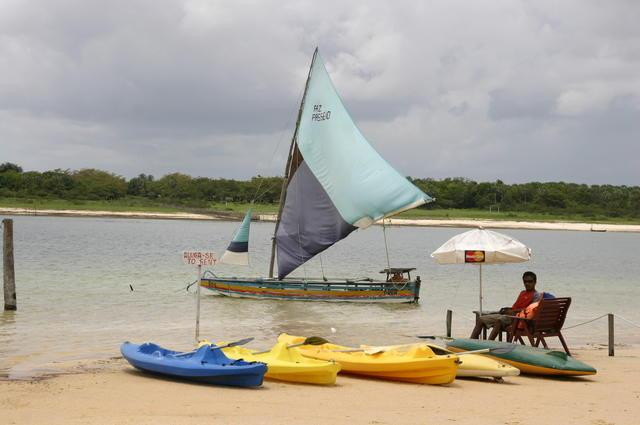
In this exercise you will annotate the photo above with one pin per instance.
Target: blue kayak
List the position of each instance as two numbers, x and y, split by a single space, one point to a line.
206 364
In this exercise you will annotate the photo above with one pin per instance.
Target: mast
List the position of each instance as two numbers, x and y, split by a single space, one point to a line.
285 182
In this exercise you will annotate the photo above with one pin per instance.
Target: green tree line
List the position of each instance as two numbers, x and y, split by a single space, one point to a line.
535 197
182 189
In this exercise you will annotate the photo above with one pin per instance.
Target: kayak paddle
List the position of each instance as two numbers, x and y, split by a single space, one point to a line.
216 347
374 350
378 350
497 350
233 344
448 338
312 340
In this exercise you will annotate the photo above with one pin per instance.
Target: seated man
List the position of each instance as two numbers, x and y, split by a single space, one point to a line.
397 278
499 322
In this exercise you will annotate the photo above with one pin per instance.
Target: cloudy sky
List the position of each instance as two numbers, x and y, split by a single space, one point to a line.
513 90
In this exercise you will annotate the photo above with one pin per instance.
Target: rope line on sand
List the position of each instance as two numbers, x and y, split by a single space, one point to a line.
627 320
600 317
584 323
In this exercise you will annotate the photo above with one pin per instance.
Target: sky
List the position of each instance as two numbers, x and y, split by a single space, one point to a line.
514 90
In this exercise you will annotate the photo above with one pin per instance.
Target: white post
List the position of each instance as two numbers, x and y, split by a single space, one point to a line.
481 289
198 303
199 259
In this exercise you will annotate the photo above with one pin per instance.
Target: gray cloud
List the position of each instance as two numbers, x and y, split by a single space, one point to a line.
518 91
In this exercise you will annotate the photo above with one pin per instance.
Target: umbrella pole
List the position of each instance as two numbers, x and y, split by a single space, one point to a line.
481 289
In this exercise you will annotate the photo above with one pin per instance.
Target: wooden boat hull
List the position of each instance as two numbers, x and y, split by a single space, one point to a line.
202 365
531 360
418 365
315 290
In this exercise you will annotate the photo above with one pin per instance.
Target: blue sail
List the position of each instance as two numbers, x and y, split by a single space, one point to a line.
238 251
337 181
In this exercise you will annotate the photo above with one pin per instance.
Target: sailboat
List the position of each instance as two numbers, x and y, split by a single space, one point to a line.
237 252
334 183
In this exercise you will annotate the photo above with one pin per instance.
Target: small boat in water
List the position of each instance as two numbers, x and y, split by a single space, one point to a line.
418 364
532 360
206 364
284 364
334 183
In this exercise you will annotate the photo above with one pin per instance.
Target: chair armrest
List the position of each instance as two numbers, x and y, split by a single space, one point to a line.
520 318
477 313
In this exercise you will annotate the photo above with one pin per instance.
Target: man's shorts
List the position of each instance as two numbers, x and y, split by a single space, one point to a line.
489 320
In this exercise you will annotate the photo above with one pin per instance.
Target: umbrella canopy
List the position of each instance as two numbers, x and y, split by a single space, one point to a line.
481 246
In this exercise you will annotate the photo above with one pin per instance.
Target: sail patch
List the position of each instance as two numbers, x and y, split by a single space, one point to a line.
238 250
310 223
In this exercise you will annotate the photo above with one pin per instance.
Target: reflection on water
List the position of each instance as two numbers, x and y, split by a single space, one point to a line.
73 278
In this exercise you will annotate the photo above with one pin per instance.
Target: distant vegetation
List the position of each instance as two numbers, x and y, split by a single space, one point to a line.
176 191
553 198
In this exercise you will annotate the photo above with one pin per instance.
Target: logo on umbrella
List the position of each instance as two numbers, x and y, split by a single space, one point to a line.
474 256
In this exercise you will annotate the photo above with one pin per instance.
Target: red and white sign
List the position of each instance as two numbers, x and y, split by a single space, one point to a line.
199 258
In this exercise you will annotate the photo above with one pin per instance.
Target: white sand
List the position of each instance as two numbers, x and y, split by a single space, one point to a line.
121 214
489 224
118 394
499 224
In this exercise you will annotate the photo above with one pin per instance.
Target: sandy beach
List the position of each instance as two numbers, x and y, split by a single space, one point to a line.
507 224
467 223
115 393
117 214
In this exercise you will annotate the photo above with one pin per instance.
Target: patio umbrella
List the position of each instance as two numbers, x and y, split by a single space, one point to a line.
481 246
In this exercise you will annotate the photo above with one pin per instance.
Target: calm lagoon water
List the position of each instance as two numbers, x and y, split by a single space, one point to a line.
75 304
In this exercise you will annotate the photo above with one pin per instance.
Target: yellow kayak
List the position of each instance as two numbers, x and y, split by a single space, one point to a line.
286 364
418 364
471 365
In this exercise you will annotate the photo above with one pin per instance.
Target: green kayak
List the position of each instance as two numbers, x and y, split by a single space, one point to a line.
533 360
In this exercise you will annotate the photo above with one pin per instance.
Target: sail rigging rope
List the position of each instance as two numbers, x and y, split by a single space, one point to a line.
386 248
399 287
322 267
273 155
300 251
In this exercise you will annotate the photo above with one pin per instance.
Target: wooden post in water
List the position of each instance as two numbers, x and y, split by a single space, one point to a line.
9 271
611 339
449 317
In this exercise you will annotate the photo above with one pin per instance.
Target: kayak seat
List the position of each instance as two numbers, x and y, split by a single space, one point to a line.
547 322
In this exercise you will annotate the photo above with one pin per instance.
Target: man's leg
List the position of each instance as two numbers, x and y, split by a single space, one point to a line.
502 323
475 334
484 322
497 329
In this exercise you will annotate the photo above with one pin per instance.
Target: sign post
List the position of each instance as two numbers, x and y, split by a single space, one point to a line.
199 259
